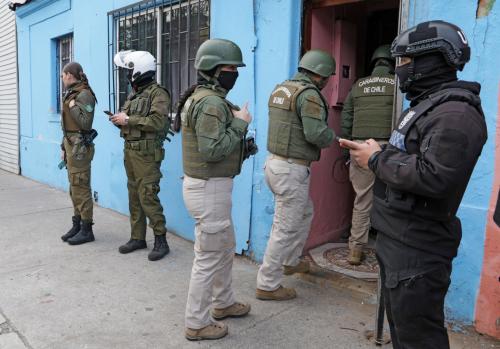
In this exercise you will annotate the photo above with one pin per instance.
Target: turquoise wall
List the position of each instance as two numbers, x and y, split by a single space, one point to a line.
483 35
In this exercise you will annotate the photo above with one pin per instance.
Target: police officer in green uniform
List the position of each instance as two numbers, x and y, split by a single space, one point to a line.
213 150
77 150
298 130
144 122
367 113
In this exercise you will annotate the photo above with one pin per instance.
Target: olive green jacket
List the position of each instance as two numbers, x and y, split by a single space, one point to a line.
316 128
212 136
148 110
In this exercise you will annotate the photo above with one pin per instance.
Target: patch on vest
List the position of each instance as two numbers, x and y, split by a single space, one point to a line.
89 108
398 140
282 97
407 118
374 89
376 79
313 107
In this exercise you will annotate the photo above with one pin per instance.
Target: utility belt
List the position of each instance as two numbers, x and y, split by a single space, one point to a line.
434 209
302 162
87 137
143 144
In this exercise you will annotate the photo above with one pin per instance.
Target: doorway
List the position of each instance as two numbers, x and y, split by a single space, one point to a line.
350 30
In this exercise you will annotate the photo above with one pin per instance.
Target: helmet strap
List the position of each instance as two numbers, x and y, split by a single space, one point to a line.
213 79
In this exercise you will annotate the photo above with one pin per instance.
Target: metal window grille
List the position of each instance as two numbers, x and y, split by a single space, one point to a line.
64 55
171 31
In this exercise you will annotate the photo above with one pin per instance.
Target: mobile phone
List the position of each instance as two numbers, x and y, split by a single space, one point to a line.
108 113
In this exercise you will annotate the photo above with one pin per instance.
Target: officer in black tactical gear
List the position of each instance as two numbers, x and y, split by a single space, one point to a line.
422 175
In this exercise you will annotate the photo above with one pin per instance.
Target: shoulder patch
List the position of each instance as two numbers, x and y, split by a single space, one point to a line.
210 109
208 127
312 106
89 108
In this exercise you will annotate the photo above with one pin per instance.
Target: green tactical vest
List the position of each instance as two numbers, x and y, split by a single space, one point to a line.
372 101
286 133
139 104
194 164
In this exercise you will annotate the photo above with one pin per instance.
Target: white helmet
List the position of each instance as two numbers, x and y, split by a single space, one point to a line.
140 62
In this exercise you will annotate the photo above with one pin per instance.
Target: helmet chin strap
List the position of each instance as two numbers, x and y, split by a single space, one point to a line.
214 79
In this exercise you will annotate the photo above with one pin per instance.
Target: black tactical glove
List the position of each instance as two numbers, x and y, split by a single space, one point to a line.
250 148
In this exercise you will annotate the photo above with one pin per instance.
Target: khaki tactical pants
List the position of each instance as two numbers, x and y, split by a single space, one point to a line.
144 174
209 203
362 181
293 214
78 161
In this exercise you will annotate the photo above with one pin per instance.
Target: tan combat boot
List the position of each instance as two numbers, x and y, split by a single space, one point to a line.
216 330
235 310
302 267
355 256
280 294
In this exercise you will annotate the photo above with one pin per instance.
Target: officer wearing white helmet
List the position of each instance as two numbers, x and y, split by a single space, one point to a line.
144 123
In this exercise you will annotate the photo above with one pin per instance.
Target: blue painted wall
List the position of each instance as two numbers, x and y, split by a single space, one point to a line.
483 35
268 32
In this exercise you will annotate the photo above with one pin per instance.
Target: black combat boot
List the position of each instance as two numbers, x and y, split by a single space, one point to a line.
160 249
85 235
74 230
132 245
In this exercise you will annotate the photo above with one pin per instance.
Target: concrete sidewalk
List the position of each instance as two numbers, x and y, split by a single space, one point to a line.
53 295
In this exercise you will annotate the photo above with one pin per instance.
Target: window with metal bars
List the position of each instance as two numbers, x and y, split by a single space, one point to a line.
64 55
171 31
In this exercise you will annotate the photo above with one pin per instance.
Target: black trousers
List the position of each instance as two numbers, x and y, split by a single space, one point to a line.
415 308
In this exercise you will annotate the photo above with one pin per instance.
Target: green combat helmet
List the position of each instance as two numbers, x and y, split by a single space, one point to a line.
216 52
383 51
319 62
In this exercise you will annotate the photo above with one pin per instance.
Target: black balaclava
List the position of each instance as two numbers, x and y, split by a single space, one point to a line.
227 79
424 75
142 80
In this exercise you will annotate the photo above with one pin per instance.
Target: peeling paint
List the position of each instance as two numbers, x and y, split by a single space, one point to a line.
484 7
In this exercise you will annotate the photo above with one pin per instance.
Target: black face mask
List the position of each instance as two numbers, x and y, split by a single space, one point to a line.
429 73
227 79
402 73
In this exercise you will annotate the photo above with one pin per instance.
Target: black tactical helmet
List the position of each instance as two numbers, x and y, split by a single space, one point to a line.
434 36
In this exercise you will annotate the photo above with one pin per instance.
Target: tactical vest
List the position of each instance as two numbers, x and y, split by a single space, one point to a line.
373 102
68 123
431 208
286 133
139 104
194 164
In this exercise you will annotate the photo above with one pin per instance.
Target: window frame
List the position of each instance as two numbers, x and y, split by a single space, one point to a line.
165 71
60 63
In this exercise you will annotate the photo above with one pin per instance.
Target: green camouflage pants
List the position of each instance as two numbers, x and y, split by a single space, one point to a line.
143 172
78 161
